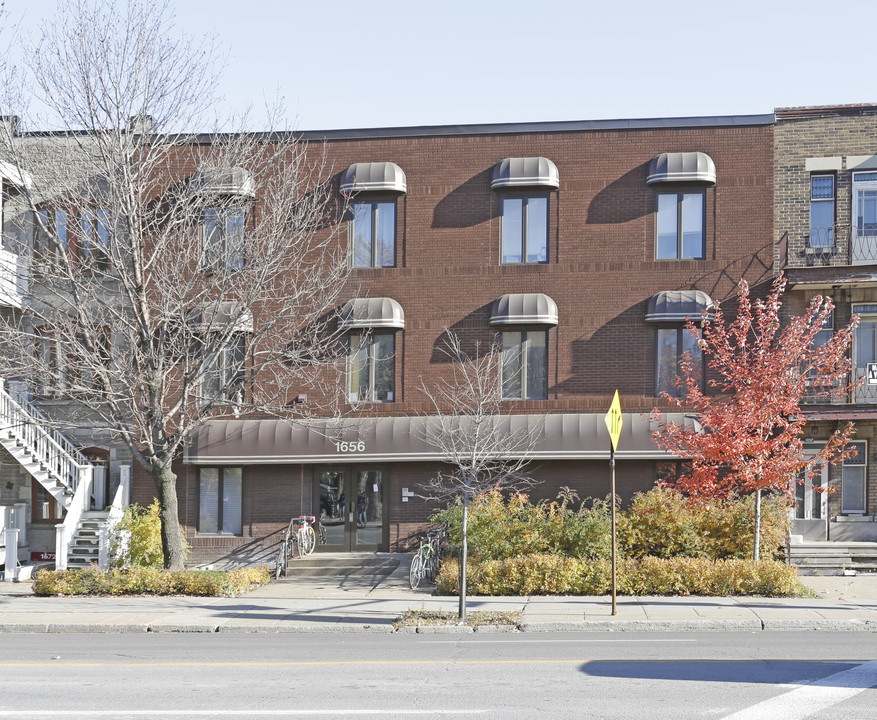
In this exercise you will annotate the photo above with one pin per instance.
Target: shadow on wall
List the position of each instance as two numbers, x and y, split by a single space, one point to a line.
473 331
259 551
466 205
622 200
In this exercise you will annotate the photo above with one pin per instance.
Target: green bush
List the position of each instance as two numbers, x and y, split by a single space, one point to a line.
136 540
557 575
139 580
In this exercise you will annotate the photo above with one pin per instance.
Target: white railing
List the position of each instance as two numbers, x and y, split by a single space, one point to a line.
121 500
78 505
13 535
61 458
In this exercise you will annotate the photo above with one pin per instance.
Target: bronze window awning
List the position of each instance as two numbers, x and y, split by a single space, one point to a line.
568 436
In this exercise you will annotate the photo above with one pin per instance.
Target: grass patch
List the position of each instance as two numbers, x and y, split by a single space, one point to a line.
474 618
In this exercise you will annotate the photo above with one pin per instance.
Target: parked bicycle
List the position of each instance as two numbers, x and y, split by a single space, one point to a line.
299 539
427 560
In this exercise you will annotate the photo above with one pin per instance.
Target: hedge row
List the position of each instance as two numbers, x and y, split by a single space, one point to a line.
558 575
148 581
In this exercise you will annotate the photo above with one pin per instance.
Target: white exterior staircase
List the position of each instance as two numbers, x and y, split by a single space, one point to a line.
53 461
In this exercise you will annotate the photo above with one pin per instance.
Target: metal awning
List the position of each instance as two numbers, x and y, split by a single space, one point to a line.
524 309
382 312
222 316
225 181
525 172
374 177
678 306
19 178
399 439
682 167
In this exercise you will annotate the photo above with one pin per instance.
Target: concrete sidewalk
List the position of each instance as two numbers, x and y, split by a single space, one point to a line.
371 604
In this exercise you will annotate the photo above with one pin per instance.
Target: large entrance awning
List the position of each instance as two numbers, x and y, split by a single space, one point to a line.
397 439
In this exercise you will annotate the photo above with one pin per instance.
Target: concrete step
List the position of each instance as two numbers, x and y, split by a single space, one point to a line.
343 565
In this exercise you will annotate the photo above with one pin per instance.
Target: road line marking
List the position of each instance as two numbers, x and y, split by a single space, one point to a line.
232 713
809 699
301 663
551 642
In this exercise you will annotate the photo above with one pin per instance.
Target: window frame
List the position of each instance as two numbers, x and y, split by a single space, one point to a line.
48 254
525 199
680 223
221 508
93 238
216 252
230 389
681 331
354 369
818 202
855 462
374 225
524 354
40 495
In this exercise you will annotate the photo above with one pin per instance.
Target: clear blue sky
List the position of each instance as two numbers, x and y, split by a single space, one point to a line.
357 64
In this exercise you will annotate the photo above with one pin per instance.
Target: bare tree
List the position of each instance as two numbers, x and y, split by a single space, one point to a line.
174 277
483 447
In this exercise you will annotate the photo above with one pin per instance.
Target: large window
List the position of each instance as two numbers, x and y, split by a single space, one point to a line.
223 377
525 365
50 239
94 240
373 233
45 508
821 211
864 215
853 480
525 229
680 226
222 239
673 344
220 494
372 368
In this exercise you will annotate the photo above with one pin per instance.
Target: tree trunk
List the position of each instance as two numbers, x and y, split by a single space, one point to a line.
171 532
756 548
464 552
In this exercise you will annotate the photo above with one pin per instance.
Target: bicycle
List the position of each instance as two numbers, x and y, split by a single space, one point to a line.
427 559
305 535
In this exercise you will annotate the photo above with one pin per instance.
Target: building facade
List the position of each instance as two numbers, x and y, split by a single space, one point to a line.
826 216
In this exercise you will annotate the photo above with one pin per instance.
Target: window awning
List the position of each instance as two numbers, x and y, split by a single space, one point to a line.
525 172
382 312
225 181
682 167
374 177
678 306
524 309
221 316
567 436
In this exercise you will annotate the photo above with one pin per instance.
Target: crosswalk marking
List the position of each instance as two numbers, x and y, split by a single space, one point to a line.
809 699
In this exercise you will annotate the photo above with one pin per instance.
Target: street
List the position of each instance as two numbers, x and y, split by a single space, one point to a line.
562 675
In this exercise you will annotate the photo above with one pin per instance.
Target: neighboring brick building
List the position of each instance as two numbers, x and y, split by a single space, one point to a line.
826 213
585 244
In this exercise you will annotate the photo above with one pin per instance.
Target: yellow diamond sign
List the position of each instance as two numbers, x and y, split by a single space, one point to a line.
614 421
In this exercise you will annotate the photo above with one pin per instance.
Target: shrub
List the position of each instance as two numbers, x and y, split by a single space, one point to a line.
139 580
556 575
137 538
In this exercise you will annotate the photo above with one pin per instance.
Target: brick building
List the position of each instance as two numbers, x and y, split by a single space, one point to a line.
825 175
584 246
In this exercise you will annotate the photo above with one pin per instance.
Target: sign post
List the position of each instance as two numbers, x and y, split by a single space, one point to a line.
614 423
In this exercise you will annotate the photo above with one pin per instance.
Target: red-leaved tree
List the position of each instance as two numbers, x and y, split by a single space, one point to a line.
751 425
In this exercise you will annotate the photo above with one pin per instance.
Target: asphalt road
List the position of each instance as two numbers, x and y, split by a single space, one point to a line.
756 676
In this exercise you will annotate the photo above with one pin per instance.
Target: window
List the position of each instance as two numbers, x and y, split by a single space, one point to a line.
374 234
222 239
372 369
51 364
853 480
672 345
680 224
864 215
525 365
223 377
45 508
220 492
525 229
821 211
668 471
50 238
94 242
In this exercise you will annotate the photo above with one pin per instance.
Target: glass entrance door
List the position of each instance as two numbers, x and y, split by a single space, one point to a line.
352 507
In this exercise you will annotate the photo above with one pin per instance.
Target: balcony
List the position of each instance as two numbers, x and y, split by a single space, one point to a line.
836 246
861 394
13 279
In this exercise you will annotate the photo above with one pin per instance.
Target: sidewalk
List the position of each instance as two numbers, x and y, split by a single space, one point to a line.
367 604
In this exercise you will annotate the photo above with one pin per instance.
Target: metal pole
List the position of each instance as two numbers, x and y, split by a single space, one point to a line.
612 501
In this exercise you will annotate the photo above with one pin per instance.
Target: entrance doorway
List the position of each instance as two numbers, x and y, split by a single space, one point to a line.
810 496
352 504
